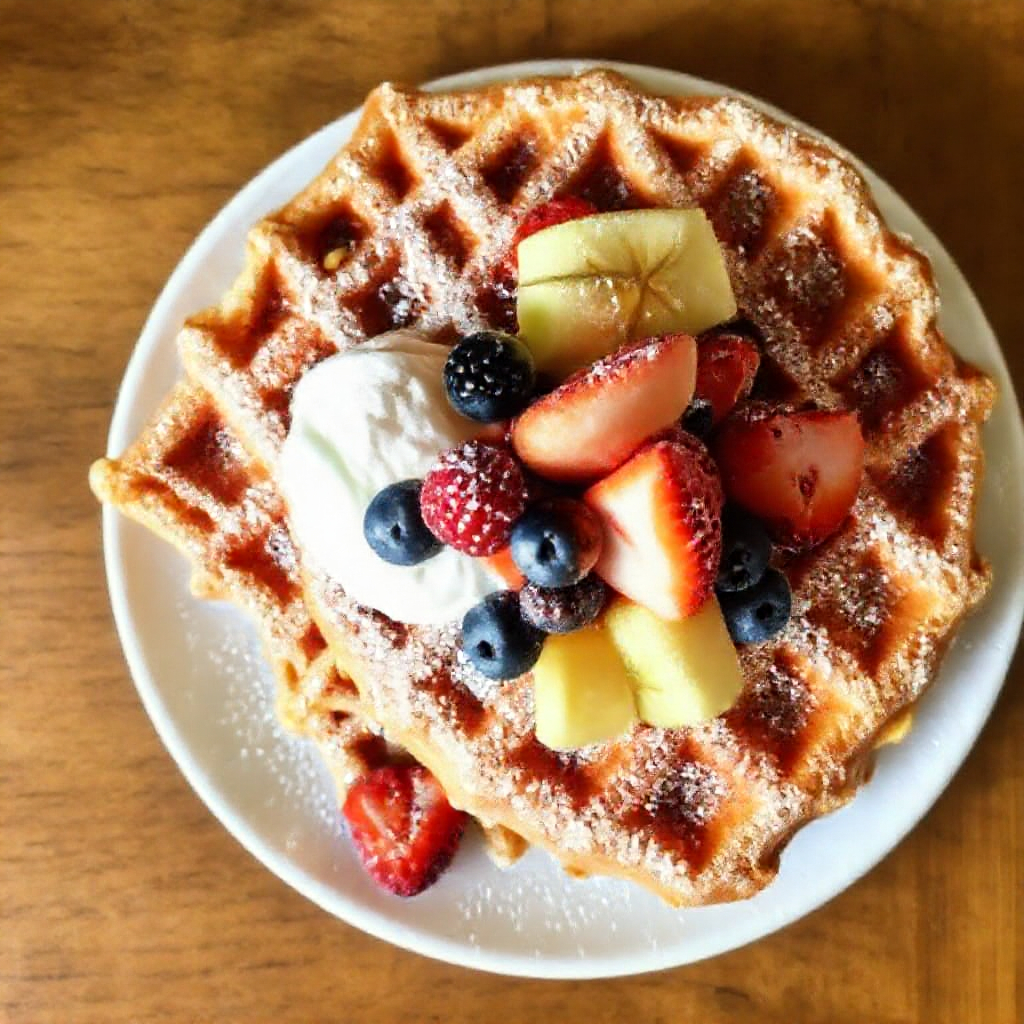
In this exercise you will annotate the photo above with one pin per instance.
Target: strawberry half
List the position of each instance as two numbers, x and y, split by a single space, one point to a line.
662 514
726 367
592 423
403 827
800 471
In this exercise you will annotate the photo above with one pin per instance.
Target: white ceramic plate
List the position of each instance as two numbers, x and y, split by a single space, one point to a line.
200 675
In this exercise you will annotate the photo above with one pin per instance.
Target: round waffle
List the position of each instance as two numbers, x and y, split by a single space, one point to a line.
405 227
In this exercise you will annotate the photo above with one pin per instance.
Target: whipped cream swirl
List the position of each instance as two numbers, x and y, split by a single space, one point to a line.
361 420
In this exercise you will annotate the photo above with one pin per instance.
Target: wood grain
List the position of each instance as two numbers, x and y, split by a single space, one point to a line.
123 127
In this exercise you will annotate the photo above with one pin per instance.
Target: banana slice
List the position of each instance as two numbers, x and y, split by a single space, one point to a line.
589 285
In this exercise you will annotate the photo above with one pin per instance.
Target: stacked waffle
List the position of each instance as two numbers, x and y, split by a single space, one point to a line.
406 226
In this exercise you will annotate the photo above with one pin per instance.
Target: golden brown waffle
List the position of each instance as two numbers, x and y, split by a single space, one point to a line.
189 480
406 226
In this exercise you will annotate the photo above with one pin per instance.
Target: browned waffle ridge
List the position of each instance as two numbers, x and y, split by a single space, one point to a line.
189 480
405 226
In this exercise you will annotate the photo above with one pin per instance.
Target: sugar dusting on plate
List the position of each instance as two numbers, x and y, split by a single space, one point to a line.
289 763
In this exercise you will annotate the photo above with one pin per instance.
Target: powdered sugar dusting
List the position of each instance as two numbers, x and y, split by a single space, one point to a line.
472 496
537 904
287 766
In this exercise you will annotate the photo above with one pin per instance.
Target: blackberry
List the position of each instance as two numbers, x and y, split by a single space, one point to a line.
489 376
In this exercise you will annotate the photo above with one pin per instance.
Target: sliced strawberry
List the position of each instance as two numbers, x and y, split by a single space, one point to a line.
547 215
501 562
662 514
726 367
594 421
800 471
403 827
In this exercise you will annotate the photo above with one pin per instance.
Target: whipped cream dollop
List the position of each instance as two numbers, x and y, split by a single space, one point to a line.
362 420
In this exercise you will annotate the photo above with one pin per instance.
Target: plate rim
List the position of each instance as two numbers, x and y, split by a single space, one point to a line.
331 899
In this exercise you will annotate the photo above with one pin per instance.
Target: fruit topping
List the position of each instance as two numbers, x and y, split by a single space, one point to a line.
489 376
563 609
393 525
497 640
684 672
555 543
726 367
662 517
746 548
547 215
472 496
403 827
699 418
501 562
589 285
759 612
592 423
799 471
582 692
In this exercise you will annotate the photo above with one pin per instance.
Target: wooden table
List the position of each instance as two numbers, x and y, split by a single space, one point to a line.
123 127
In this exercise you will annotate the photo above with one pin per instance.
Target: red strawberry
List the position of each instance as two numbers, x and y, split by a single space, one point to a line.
662 513
472 496
547 215
594 421
726 367
800 471
403 827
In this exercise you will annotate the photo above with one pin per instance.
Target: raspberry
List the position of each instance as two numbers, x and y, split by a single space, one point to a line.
472 496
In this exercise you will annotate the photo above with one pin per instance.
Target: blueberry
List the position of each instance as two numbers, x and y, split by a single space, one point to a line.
393 526
556 543
759 612
698 418
496 639
746 548
563 609
489 376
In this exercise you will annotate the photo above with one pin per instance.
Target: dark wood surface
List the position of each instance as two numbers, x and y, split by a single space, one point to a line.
124 126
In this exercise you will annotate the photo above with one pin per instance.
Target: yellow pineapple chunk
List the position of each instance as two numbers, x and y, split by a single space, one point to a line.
582 691
685 671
